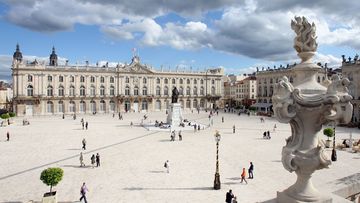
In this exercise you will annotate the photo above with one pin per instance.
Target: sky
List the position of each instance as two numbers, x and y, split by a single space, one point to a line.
189 35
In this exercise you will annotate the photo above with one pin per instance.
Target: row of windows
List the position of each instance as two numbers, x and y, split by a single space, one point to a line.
72 79
173 81
82 106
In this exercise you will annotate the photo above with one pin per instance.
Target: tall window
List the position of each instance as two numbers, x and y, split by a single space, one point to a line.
50 107
61 78
173 81
201 81
158 91
127 80
30 90
166 91
157 80
82 91
72 78
92 79
92 91
166 81
112 106
212 82
61 91
102 90
92 106
102 79
144 105
102 106
72 91
195 92
82 106
144 91
181 91
188 81
195 81
82 79
181 81
112 90
127 90
49 78
213 90
201 90
30 78
72 106
144 80
188 90
49 91
111 79
136 90
61 106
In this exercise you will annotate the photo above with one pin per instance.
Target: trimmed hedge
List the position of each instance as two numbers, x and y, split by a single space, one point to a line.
51 176
12 114
5 116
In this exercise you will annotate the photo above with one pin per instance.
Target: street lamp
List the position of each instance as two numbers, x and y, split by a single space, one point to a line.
217 184
333 153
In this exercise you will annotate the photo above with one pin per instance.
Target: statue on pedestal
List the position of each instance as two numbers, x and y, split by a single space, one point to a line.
175 95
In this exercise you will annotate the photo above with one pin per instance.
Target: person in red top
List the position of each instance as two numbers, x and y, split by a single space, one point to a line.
243 175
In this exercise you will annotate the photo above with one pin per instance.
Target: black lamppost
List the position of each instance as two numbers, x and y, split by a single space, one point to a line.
333 153
217 184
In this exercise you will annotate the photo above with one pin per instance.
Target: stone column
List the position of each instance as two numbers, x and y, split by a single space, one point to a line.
307 106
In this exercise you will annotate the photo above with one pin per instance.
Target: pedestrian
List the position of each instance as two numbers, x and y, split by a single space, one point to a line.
198 127
81 160
233 128
235 200
8 121
63 117
172 135
83 191
167 166
274 128
194 127
74 117
121 117
97 160
86 125
217 113
180 136
131 124
264 135
113 115
222 119
243 175
250 170
82 123
229 196
93 160
8 136
268 135
84 144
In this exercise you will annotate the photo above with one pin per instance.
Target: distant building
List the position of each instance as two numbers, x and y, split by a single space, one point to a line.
51 88
6 95
240 91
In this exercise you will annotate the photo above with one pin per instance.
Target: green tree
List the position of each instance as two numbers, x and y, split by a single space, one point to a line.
51 176
329 132
5 116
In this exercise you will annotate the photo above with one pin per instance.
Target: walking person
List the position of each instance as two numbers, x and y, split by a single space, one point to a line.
233 128
86 125
274 128
83 125
195 127
93 160
180 136
63 117
268 135
235 200
250 170
84 144
229 197
83 191
97 160
81 160
8 136
243 175
167 166
222 119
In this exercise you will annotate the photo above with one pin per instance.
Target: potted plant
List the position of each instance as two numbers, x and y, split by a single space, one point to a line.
329 132
51 177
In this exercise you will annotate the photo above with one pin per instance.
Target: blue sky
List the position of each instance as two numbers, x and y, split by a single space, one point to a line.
238 36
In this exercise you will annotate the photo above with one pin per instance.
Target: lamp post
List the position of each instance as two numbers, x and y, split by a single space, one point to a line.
333 153
217 184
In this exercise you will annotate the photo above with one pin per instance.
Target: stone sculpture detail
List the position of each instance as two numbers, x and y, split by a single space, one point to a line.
307 106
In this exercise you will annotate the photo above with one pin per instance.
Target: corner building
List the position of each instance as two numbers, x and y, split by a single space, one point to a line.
47 89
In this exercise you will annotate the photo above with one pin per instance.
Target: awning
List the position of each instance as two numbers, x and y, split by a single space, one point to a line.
262 105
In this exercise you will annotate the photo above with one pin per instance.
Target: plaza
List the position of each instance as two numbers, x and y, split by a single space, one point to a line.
132 159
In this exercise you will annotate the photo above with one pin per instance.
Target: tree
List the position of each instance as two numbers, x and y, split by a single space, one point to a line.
329 132
51 176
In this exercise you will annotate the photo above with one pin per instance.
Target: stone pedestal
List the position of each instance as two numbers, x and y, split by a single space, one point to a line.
49 197
174 117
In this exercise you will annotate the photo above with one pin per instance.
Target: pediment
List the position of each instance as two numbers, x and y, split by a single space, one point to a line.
137 68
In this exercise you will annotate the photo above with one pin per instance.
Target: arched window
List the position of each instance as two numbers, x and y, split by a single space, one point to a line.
181 81
157 80
112 90
61 91
188 81
61 106
50 107
92 91
158 91
271 80
201 81
166 81
173 81
144 105
49 91
111 79
30 78
72 78
72 107
195 103
127 90
72 91
202 103
102 90
271 91
158 105
82 107
102 79
82 90
82 79
49 78
30 90
112 106
144 91
136 90
92 79
188 103
213 90
93 106
166 91
127 80
181 91
61 78
102 106
144 80
187 90
195 81
212 82
202 91
195 91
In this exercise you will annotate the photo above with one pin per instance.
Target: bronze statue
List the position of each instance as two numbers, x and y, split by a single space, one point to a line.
175 95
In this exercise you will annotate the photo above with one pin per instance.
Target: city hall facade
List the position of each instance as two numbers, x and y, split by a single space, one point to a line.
49 88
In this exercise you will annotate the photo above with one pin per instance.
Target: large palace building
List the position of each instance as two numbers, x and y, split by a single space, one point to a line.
46 89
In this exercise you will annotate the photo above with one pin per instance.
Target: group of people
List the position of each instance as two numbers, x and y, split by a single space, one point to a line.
95 159
173 134
230 197
266 135
84 124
